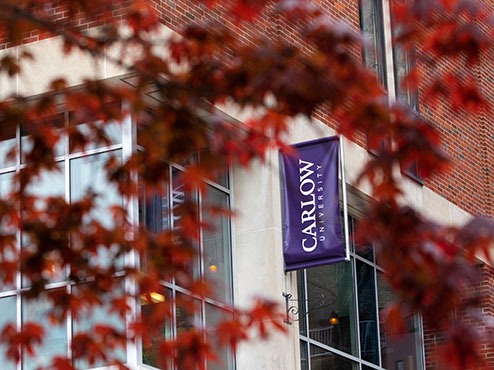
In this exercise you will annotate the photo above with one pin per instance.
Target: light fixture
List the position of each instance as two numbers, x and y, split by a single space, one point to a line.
334 319
152 297
212 258
213 268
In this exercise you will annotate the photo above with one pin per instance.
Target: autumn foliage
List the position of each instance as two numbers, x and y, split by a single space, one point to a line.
206 66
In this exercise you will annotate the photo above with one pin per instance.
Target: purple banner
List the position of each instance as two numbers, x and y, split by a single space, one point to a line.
312 234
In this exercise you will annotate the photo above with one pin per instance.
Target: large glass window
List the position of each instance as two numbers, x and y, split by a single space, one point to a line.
342 320
9 234
88 319
403 352
55 333
375 50
8 317
406 92
88 175
162 213
371 25
78 172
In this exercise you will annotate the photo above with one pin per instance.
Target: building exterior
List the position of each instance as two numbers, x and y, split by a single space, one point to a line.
244 256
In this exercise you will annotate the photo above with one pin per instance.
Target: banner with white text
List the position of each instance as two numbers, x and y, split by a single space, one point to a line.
312 234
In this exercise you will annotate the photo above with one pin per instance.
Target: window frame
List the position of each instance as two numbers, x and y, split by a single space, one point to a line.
377 40
200 321
65 158
126 145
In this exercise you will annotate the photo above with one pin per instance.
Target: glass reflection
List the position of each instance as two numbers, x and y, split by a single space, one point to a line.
371 26
9 252
157 212
8 310
7 145
31 134
304 361
55 333
224 360
149 310
154 214
216 241
111 130
366 252
87 318
49 184
330 292
187 313
27 145
402 351
88 176
367 312
183 206
6 184
321 359
211 161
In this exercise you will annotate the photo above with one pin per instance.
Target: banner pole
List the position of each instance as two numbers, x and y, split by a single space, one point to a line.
344 199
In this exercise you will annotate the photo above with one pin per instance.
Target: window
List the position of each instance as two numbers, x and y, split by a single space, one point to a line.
371 25
77 173
163 212
341 310
403 64
374 52
82 172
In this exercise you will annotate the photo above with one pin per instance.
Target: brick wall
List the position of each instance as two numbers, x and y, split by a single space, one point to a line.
485 290
63 18
467 139
482 290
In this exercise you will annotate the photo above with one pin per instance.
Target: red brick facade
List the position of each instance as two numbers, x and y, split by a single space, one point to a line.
482 291
468 140
63 18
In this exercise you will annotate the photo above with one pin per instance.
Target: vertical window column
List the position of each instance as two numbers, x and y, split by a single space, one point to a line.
213 262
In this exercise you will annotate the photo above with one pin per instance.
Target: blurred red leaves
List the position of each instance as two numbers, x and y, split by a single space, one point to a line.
98 345
30 337
209 66
430 267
